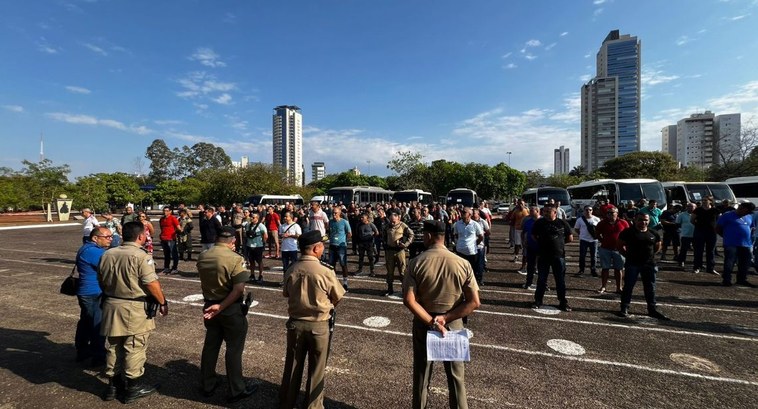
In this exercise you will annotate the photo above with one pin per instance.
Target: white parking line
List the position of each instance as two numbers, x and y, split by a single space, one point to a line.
539 353
39 226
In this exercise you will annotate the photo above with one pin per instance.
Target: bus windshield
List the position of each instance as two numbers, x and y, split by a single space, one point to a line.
465 198
719 191
557 194
637 191
341 195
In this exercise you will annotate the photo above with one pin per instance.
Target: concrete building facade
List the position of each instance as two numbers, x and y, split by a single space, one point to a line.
668 140
318 170
561 161
288 142
610 102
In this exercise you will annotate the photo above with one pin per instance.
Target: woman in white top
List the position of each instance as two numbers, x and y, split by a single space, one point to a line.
289 231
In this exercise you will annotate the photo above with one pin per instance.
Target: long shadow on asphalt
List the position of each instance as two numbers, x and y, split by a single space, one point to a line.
671 299
57 260
30 355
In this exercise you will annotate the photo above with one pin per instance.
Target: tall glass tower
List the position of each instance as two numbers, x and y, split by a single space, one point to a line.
288 142
611 102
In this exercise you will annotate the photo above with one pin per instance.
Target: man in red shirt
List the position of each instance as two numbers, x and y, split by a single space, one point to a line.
273 221
169 228
607 232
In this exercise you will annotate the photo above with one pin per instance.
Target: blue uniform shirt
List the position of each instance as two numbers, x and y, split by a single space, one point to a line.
736 229
338 231
87 260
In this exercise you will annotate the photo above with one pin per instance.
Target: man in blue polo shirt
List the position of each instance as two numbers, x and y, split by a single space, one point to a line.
88 341
736 228
339 232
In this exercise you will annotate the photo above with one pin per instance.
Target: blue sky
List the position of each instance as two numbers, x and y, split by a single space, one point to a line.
462 81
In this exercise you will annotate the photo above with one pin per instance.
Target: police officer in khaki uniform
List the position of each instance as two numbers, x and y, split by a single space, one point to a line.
397 236
222 277
313 291
127 277
439 288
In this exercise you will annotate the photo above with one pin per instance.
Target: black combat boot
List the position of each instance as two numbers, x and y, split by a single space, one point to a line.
115 388
135 390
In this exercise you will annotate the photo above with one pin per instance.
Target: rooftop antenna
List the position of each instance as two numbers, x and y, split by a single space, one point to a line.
41 147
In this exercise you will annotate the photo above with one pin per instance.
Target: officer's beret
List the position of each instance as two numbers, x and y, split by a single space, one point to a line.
434 226
227 232
309 238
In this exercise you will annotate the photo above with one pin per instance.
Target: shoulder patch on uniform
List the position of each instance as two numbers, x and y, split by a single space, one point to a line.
150 262
326 265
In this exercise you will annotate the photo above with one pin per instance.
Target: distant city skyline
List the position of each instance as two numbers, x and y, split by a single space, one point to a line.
447 80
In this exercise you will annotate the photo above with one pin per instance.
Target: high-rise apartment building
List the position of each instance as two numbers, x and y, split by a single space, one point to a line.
319 171
668 140
561 161
704 139
288 142
610 110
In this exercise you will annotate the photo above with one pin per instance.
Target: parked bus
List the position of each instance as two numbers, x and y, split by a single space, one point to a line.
689 192
267 200
414 195
617 191
538 196
744 188
360 195
466 197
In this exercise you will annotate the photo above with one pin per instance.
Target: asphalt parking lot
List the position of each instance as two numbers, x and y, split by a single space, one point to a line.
706 357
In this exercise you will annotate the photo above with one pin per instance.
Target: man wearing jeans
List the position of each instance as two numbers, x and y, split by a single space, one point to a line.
551 235
736 228
88 341
169 229
531 247
585 225
639 245
339 232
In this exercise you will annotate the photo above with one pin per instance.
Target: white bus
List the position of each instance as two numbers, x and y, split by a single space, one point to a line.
360 195
414 195
267 200
617 191
539 196
466 197
744 188
690 192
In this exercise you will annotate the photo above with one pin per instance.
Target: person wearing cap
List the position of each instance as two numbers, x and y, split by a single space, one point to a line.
736 228
222 278
439 288
312 291
551 234
397 236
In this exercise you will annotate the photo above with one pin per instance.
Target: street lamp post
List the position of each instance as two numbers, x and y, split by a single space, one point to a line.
509 158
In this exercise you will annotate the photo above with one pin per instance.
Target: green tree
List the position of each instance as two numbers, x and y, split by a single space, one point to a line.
44 181
162 160
563 181
226 185
652 165
190 190
91 191
534 178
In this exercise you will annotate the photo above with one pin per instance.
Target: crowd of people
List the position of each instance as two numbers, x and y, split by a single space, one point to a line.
313 242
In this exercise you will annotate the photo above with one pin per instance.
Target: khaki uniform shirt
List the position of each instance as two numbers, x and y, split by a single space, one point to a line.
123 273
312 288
438 277
220 269
398 236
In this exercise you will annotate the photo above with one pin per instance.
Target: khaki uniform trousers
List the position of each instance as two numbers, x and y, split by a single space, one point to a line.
126 354
229 326
305 338
395 259
422 370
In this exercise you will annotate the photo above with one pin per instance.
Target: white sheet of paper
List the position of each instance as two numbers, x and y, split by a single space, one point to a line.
453 347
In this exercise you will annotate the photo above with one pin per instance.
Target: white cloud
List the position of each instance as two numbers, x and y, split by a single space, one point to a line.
598 2
207 57
44 46
682 40
506 55
530 57
14 108
740 17
572 107
168 122
550 46
81 119
199 83
584 78
510 66
564 34
597 12
533 43
95 49
745 98
652 76
77 90
223 99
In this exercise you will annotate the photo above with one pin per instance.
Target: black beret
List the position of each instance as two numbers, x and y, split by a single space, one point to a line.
227 232
434 226
311 237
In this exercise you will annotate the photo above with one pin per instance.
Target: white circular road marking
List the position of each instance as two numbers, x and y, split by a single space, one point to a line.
566 347
376 322
695 362
547 310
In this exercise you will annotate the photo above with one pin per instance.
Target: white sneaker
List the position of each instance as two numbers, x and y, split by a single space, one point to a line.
601 290
522 272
